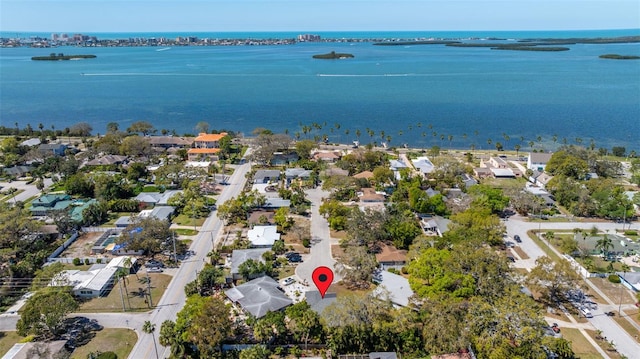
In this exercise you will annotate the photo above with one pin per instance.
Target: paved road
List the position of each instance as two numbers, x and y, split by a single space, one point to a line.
174 297
624 342
321 241
29 190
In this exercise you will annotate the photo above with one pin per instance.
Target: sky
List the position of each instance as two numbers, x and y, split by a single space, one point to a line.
315 15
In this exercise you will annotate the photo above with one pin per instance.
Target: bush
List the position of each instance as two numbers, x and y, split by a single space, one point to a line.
392 270
77 261
306 242
99 260
107 355
614 278
404 270
86 261
630 233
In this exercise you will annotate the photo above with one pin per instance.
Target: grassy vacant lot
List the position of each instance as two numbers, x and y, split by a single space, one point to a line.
183 220
7 340
580 345
613 291
185 232
113 302
119 341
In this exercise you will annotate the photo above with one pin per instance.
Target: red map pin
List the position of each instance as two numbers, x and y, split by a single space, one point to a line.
322 277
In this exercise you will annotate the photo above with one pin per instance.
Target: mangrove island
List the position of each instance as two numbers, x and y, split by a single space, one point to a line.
333 55
57 57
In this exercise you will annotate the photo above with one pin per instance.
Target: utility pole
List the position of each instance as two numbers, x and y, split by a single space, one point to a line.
175 255
149 290
193 215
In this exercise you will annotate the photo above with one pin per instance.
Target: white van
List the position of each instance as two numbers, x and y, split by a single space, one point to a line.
587 313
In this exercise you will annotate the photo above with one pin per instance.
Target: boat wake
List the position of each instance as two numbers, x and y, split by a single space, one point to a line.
164 49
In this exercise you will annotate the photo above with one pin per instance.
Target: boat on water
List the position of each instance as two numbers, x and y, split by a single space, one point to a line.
164 49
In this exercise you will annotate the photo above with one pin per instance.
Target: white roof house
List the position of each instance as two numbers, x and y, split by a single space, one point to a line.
263 236
424 165
393 287
90 283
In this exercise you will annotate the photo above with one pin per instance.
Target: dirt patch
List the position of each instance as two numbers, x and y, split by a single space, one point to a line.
615 292
294 236
520 253
337 251
81 248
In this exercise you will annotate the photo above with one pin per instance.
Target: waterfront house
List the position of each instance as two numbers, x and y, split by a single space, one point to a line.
166 142
537 161
206 147
283 159
326 156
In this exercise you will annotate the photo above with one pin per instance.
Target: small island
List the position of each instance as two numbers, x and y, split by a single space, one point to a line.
531 48
333 56
58 57
619 57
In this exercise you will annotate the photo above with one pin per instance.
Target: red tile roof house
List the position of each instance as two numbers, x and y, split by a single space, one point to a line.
206 147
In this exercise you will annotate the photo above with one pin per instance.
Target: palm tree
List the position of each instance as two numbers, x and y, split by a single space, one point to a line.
150 328
625 269
517 148
122 274
604 244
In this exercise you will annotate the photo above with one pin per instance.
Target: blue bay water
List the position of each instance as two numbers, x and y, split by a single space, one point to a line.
457 91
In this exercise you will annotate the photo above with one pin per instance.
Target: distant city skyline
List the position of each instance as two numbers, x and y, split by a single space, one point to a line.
315 15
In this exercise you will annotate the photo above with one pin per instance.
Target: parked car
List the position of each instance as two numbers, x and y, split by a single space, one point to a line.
295 259
610 314
154 263
154 270
289 281
289 254
511 259
517 238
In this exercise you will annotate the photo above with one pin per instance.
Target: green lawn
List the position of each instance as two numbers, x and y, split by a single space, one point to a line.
7 340
119 341
580 345
113 302
186 232
183 220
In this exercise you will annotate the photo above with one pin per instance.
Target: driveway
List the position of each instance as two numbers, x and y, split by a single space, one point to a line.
321 241
29 190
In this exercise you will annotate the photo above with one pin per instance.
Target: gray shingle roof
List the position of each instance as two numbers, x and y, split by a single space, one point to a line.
259 296
240 256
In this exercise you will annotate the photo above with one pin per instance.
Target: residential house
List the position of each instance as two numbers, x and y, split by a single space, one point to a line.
630 280
166 142
369 195
284 159
316 302
327 156
58 202
482 172
266 176
497 162
391 257
92 283
240 256
365 174
540 178
275 203
383 355
107 160
424 165
31 142
159 212
17 171
537 161
263 236
151 199
396 166
259 296
393 287
205 147
468 180
502 173
52 149
335 171
292 174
